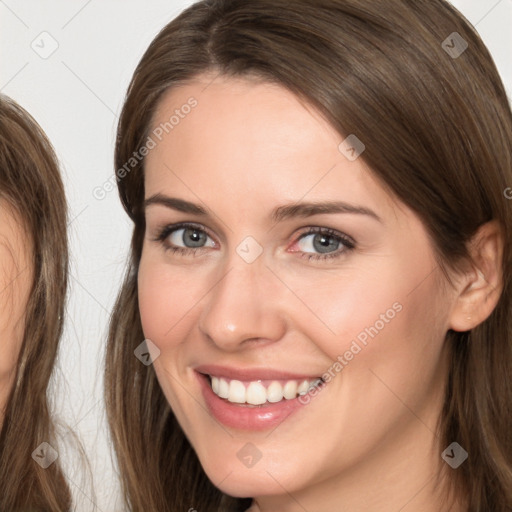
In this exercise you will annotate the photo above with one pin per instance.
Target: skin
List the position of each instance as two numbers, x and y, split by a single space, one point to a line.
15 283
366 442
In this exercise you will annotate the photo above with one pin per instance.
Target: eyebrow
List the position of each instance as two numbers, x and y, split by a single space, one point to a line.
279 214
317 208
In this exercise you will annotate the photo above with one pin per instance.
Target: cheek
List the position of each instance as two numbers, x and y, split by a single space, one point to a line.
367 317
155 303
14 297
9 350
347 307
167 298
391 349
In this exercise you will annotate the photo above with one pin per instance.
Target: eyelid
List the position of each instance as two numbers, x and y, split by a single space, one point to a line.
313 229
165 231
348 243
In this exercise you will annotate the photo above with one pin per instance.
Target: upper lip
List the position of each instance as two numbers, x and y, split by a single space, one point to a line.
251 374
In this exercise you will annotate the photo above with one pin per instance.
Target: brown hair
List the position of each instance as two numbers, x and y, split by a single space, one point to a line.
30 183
438 134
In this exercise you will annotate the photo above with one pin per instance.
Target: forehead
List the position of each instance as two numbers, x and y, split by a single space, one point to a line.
244 135
238 105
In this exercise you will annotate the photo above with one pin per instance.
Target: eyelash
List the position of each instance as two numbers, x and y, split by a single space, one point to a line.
345 240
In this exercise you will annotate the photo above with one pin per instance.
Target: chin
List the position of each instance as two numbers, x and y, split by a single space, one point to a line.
240 482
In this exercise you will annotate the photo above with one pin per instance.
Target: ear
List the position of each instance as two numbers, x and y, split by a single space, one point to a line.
479 288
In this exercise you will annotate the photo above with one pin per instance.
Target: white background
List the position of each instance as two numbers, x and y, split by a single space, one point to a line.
76 95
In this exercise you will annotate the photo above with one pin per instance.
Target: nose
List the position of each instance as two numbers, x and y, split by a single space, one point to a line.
245 305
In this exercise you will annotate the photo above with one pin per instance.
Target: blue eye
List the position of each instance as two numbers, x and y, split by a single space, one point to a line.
327 242
192 237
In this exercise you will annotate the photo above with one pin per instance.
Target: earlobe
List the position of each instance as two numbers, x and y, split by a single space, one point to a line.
480 287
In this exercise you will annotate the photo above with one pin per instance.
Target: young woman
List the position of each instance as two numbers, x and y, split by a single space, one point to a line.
33 281
321 265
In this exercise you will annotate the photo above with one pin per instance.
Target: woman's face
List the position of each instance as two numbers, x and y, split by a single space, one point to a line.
273 257
15 282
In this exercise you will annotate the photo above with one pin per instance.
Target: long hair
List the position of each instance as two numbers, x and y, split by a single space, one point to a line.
437 127
30 184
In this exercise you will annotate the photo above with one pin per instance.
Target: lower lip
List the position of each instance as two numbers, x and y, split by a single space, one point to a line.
244 417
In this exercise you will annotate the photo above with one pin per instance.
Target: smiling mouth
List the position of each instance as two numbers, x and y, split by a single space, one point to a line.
260 392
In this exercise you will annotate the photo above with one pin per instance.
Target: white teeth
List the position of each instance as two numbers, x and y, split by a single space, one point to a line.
275 392
236 392
215 385
223 389
256 393
303 387
290 390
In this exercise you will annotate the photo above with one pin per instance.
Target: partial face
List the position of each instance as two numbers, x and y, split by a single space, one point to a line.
15 283
272 260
